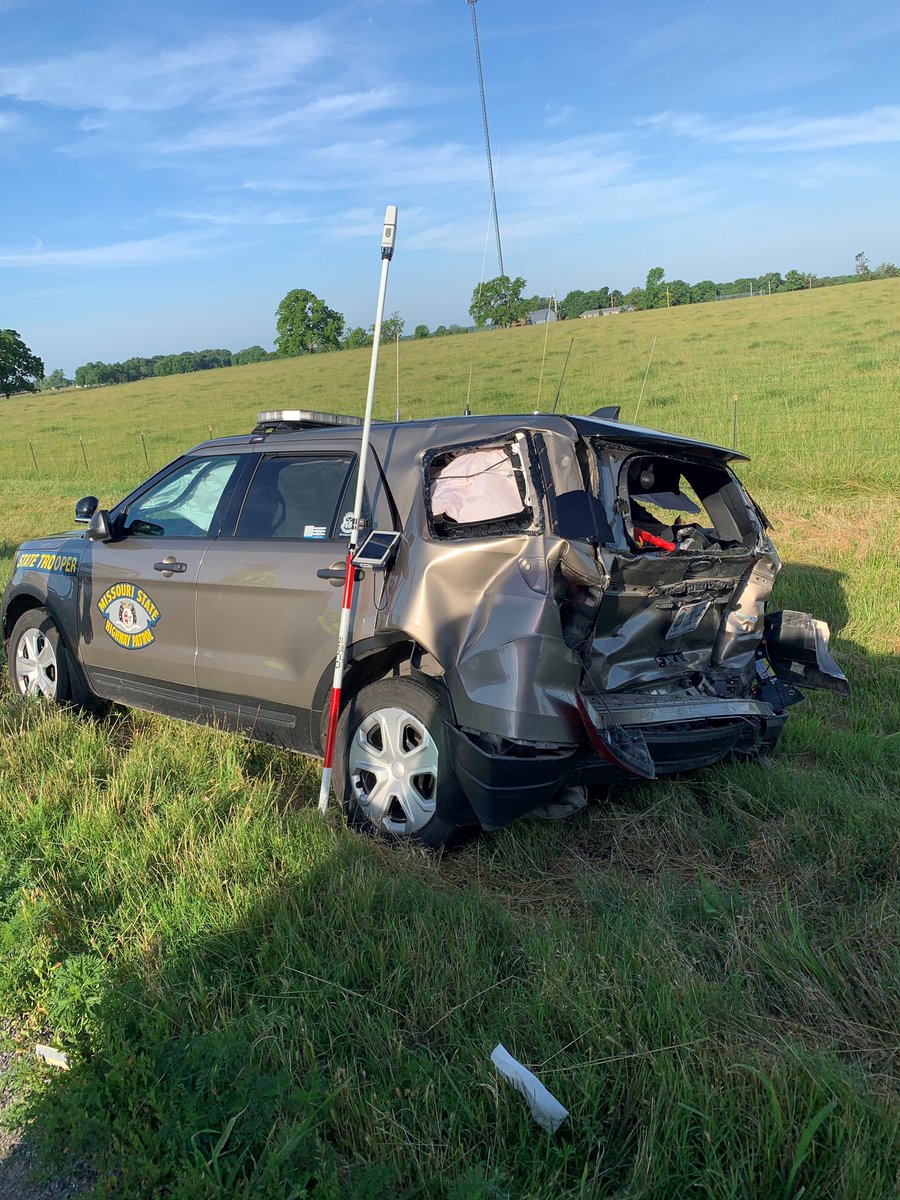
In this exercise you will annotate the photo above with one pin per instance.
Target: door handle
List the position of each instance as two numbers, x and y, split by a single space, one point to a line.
337 573
170 567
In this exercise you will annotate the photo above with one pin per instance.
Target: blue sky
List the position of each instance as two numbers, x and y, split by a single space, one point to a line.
171 170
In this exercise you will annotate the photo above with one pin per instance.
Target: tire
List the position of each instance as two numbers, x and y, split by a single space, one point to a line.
387 730
38 663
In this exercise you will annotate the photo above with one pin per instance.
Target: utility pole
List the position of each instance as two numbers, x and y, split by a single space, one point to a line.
487 136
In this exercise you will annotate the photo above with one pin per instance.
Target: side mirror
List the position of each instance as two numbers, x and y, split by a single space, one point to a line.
85 509
100 529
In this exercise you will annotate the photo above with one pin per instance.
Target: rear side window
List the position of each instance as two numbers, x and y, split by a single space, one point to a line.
306 497
480 491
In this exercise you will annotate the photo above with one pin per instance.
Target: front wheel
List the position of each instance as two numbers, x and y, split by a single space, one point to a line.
393 762
37 660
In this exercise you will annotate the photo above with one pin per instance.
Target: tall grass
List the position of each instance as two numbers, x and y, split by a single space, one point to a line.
257 1003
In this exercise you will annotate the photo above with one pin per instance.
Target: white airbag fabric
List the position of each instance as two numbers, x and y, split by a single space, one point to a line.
479 485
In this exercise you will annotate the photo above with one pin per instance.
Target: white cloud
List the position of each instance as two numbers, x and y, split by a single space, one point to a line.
143 78
269 130
875 126
239 217
167 248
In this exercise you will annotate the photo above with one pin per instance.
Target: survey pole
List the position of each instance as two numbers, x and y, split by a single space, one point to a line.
388 238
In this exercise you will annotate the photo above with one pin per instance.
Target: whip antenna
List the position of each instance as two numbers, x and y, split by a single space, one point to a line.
388 237
562 375
487 136
537 407
487 234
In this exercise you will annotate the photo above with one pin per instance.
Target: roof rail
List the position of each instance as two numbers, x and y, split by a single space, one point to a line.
286 420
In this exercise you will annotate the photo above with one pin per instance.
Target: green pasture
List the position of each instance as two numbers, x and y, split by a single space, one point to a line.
706 972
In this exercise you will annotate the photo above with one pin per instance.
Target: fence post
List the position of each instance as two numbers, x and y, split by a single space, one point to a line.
33 459
84 454
144 444
734 401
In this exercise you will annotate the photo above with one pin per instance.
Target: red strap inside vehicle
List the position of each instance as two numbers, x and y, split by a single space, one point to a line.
643 538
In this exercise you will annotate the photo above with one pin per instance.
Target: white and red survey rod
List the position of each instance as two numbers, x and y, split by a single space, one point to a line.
388 237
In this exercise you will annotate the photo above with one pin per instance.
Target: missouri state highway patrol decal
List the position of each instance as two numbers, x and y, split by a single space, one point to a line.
130 616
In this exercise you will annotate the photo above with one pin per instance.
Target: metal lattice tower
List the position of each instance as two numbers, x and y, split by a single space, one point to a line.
487 136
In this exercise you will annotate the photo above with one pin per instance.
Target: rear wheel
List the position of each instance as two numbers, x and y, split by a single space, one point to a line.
393 762
37 659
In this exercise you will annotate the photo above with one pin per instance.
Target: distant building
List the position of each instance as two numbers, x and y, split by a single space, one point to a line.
591 312
616 309
541 317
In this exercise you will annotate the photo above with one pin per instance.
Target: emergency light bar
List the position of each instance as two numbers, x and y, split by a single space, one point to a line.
298 418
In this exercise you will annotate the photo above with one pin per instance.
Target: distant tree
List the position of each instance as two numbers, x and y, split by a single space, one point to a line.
422 331
578 302
886 270
440 331
20 370
679 292
770 281
703 291
253 354
392 327
862 265
793 281
654 292
453 330
534 303
306 325
635 297
56 379
499 301
356 338
615 298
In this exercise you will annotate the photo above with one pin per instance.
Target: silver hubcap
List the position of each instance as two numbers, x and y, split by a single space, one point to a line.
35 665
393 768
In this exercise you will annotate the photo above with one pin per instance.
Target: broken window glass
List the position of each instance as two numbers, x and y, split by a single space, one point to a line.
479 491
672 505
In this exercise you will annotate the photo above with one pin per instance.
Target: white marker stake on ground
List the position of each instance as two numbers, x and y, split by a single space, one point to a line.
545 1108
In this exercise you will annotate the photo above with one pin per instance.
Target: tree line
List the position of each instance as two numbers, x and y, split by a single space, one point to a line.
305 324
500 301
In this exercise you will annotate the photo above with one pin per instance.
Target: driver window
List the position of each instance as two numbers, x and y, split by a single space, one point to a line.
184 503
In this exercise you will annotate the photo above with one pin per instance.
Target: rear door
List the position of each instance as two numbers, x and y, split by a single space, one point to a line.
138 593
266 624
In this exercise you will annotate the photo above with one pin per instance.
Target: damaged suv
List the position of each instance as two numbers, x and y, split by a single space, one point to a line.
572 601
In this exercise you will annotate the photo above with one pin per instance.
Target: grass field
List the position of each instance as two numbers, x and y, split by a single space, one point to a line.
706 971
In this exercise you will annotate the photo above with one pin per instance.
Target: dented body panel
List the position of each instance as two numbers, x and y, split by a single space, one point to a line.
608 621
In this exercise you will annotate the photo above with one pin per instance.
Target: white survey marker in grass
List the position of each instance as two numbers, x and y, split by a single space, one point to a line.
545 1108
50 1054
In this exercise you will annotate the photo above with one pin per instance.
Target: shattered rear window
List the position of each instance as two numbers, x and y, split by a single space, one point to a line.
670 505
480 491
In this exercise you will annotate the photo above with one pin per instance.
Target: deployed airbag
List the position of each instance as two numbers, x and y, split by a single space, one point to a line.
478 485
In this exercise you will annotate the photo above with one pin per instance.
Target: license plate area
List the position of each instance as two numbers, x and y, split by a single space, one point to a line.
687 618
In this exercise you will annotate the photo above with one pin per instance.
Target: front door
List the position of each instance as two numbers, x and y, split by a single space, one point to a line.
138 592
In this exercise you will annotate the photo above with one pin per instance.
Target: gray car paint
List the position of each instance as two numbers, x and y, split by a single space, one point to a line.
485 609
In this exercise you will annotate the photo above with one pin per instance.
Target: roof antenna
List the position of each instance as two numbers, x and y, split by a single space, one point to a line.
552 305
487 236
563 374
487 136
646 373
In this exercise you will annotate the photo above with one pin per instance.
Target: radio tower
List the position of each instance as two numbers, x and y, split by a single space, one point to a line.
487 136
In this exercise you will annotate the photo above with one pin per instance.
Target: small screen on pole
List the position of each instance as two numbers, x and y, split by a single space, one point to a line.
376 550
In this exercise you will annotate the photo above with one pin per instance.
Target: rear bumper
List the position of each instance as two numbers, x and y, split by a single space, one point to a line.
502 787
